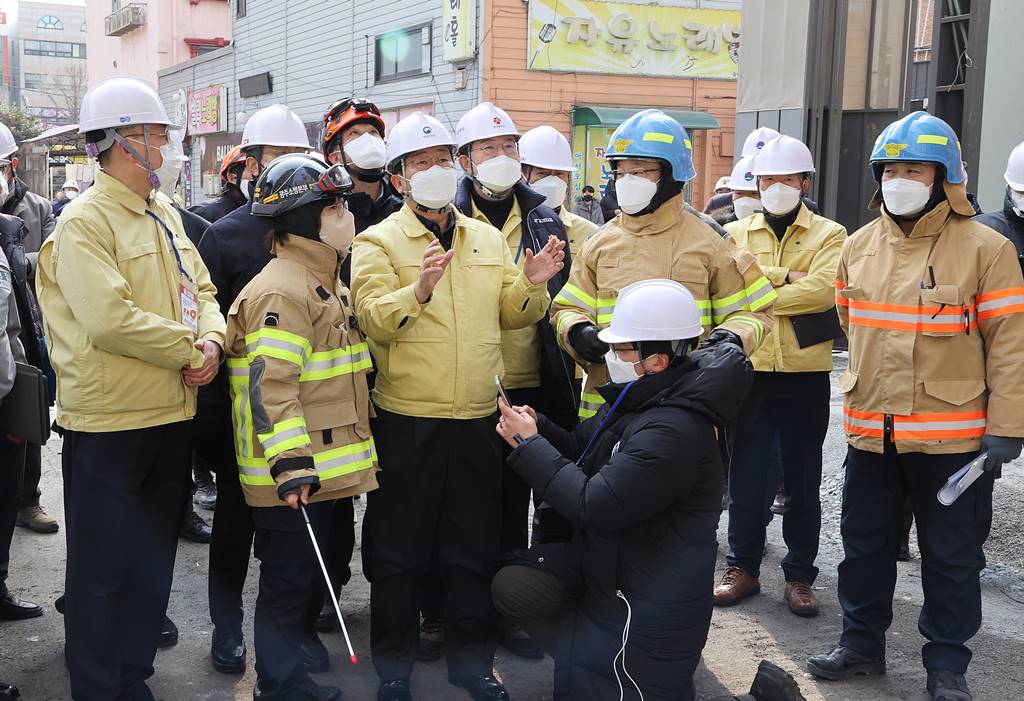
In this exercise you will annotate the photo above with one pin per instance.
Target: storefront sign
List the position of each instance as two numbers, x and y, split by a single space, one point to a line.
591 36
459 23
207 110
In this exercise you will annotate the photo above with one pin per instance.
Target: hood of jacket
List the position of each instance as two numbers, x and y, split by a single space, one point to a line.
712 382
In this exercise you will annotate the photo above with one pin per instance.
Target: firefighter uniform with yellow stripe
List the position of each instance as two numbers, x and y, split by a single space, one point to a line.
297 367
675 243
935 319
577 229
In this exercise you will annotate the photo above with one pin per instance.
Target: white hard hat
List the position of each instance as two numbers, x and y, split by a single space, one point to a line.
1014 174
757 139
722 182
275 126
545 147
742 178
482 122
7 143
415 133
121 102
784 156
653 310
69 183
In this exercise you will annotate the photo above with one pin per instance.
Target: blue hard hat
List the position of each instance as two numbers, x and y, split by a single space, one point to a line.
919 137
653 134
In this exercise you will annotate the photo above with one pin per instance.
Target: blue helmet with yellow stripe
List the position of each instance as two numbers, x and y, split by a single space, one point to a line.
653 134
923 138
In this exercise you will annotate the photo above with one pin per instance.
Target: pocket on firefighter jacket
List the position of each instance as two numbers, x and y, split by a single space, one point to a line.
956 392
942 312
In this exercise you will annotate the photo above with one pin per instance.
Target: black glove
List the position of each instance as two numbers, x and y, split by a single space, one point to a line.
722 336
583 339
1000 450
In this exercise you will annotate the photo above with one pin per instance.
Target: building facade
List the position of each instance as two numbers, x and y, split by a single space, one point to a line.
141 38
44 54
444 56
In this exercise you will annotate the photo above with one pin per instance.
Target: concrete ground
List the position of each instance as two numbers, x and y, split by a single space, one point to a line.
761 628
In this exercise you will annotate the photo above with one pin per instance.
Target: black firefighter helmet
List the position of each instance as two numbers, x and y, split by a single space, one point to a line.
294 180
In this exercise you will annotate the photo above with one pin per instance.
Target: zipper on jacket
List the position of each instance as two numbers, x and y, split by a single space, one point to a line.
887 428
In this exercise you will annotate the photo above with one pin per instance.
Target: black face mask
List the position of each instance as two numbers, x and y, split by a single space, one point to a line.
588 198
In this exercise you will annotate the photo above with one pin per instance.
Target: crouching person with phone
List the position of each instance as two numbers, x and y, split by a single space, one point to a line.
301 409
626 604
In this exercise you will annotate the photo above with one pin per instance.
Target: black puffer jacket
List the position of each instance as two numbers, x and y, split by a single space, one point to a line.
644 506
227 202
367 213
1008 223
557 368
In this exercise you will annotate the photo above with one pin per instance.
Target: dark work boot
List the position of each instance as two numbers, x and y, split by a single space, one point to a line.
844 663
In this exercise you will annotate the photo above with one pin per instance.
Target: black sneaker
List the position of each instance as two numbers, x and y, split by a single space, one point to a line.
194 528
844 663
944 685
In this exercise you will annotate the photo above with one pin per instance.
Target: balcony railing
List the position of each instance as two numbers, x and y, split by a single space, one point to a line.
129 17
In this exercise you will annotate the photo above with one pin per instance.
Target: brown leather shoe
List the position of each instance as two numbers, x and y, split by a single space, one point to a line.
737 584
802 600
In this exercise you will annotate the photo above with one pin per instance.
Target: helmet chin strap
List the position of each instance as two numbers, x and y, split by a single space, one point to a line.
141 162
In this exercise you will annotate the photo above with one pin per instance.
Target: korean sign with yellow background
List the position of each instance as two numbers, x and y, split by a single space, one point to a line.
589 36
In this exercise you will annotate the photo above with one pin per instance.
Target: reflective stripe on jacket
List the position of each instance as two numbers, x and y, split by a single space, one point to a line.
811 245
936 326
675 243
299 399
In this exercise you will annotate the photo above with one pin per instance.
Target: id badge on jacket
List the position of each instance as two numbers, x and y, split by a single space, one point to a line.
189 295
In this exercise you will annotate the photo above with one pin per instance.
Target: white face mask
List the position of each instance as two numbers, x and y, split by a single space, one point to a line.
169 169
337 228
435 187
5 189
780 199
499 174
243 185
1018 202
367 152
634 193
619 371
71 194
745 206
905 197
553 188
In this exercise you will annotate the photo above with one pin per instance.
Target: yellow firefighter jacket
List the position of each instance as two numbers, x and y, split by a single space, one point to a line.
936 329
577 229
673 242
297 370
811 245
439 359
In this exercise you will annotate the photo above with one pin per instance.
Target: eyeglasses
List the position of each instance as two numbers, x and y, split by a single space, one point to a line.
638 172
492 150
424 162
356 103
335 179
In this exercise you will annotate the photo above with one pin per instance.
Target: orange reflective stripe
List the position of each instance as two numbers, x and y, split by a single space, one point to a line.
902 317
922 427
840 285
1000 294
842 301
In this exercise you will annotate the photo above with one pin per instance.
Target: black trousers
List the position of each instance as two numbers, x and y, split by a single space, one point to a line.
789 410
123 492
340 539
33 473
950 539
288 572
12 470
232 523
439 496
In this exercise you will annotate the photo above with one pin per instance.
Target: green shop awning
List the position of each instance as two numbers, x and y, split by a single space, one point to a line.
586 116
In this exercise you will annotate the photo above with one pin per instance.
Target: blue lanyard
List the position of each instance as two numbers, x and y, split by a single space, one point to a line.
170 240
604 421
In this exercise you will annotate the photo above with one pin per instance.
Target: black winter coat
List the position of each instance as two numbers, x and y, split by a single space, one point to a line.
12 240
644 505
227 202
367 213
557 368
1008 223
195 226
